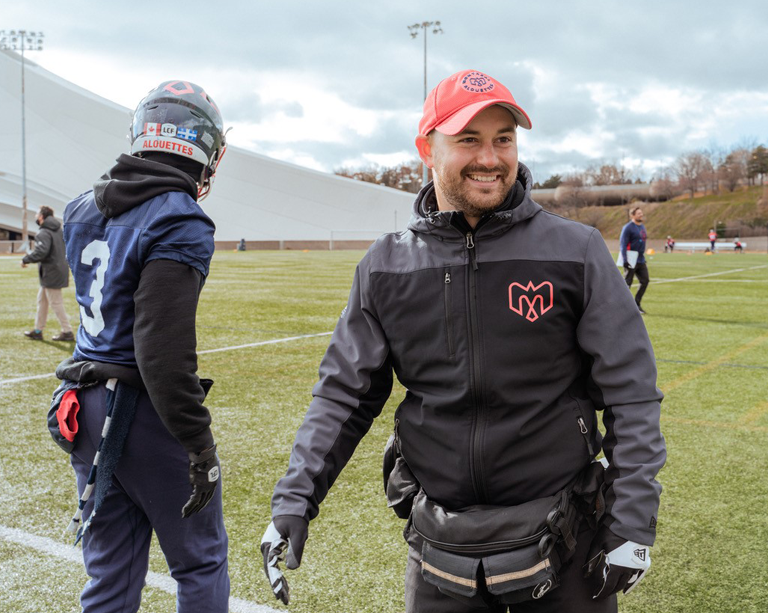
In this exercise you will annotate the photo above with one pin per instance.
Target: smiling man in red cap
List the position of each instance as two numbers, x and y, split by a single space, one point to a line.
502 321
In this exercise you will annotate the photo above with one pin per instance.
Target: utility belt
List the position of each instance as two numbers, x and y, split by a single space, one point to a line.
62 415
514 553
122 400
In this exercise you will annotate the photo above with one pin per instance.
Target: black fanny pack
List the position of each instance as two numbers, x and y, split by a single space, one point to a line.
515 552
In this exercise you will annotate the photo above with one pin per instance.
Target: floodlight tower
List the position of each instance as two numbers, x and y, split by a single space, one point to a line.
21 40
414 30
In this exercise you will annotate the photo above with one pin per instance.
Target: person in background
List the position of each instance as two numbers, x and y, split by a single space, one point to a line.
712 239
633 238
49 253
737 246
669 246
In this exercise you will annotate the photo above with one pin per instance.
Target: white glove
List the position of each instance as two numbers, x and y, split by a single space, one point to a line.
283 541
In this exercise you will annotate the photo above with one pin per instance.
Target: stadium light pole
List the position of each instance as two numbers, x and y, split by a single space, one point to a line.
414 30
21 40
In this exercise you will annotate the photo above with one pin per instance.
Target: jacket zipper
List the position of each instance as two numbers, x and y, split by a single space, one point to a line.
485 548
585 433
448 312
478 425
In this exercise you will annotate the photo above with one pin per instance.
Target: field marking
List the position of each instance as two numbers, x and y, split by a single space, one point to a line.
31 378
162 582
710 274
739 425
259 344
727 357
755 413
734 281
752 366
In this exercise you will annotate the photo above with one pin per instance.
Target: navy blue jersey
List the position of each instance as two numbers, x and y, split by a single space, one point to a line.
633 237
107 256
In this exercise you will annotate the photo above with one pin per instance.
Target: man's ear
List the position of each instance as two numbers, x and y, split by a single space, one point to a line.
425 150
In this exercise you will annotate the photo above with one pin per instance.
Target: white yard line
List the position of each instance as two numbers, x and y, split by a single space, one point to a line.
734 281
260 343
75 555
711 274
32 378
233 347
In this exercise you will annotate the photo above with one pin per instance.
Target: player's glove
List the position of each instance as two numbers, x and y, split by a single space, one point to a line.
615 563
283 541
204 472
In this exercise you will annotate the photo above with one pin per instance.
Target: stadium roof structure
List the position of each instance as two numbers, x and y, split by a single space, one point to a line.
73 136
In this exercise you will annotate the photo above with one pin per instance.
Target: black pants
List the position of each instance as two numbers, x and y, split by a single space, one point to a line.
641 270
574 594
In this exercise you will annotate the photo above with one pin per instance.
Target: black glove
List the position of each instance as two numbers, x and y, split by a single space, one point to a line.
204 472
283 541
615 563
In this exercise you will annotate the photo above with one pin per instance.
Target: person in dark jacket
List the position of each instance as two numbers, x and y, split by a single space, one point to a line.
500 319
140 246
54 275
633 238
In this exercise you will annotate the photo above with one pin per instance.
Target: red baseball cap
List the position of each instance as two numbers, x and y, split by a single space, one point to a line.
456 100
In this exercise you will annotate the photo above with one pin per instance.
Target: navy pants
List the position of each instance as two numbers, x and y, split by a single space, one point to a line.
573 595
149 488
641 270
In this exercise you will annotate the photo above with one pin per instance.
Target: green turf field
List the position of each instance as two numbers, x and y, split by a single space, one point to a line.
708 320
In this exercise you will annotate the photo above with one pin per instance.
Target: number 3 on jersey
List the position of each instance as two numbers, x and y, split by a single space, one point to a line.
96 250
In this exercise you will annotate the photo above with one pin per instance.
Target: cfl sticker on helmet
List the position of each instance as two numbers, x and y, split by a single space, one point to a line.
168 129
213 474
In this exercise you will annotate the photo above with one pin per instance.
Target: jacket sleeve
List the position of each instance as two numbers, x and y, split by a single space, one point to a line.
43 241
355 382
165 345
612 333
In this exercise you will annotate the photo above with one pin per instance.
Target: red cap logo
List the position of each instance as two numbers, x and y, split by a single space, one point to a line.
456 100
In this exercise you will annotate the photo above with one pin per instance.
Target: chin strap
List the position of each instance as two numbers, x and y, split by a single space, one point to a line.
204 189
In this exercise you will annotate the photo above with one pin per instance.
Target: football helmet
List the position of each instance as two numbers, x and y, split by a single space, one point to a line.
178 117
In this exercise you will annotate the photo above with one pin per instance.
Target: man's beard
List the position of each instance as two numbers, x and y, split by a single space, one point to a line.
462 198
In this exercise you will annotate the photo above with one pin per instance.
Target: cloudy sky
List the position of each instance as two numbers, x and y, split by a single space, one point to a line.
330 83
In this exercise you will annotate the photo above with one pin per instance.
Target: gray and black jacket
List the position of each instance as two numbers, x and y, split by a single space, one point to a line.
508 339
50 255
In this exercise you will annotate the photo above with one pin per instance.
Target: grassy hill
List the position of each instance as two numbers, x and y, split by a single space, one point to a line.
682 217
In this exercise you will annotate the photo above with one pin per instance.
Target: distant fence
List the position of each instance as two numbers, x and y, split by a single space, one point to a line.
8 247
329 245
338 240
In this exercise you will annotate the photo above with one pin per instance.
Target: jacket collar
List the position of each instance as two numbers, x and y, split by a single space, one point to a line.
438 223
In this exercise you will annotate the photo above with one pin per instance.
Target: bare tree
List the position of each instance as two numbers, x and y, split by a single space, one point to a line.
406 176
691 169
758 163
608 174
663 185
571 194
715 157
733 169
